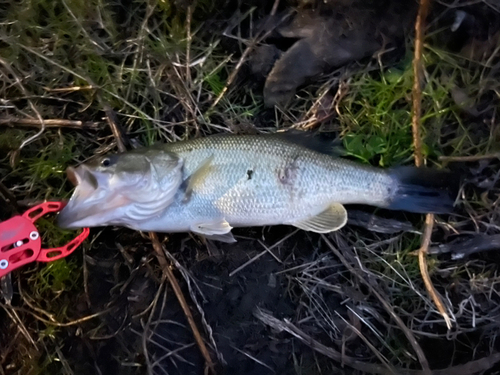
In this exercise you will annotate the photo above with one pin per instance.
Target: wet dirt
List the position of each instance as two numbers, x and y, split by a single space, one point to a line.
141 321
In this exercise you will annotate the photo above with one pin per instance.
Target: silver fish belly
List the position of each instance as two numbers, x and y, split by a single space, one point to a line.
210 185
259 180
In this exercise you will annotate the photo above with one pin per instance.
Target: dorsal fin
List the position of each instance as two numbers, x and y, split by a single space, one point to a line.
311 140
306 139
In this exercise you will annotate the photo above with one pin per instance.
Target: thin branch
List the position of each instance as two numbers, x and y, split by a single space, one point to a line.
49 123
407 332
469 158
419 160
417 79
182 301
56 323
121 139
470 368
10 199
165 266
424 269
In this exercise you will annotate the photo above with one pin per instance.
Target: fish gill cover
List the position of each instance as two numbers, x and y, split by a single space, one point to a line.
106 75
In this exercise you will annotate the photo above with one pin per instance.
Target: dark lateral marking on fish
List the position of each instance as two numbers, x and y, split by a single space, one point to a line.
283 175
249 174
187 193
288 174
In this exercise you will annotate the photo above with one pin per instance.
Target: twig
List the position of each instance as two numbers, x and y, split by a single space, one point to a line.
74 73
266 250
470 368
495 155
367 342
70 89
182 301
189 38
11 312
253 358
407 332
248 262
56 323
419 160
118 133
49 123
289 327
188 278
162 260
417 79
424 269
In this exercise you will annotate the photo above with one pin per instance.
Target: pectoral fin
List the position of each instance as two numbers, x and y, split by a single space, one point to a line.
331 219
197 177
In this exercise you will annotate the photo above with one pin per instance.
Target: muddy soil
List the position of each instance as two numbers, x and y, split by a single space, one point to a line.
141 324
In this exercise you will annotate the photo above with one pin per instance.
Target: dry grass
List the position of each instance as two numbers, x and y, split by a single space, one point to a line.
163 72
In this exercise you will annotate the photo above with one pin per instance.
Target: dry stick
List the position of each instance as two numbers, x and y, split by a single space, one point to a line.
469 368
13 315
115 128
188 278
180 297
70 89
162 260
419 160
49 123
407 332
74 73
468 158
424 270
287 326
56 323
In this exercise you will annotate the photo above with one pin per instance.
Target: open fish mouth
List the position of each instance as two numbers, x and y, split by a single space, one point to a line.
92 202
127 191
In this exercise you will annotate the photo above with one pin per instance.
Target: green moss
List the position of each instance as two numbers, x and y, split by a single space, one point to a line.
57 277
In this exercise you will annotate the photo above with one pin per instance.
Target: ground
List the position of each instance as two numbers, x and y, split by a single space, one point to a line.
279 301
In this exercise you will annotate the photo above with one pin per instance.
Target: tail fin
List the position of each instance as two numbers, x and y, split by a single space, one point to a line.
423 190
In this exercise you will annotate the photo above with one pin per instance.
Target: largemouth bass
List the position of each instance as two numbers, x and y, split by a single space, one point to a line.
210 185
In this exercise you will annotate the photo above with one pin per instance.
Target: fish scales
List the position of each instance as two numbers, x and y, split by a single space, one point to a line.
255 180
209 185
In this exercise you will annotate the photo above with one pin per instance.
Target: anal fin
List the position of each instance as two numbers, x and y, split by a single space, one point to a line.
331 219
227 238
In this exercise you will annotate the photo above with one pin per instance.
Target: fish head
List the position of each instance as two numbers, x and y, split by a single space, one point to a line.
122 189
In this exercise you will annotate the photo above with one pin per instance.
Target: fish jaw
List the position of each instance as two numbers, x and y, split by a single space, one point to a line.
122 189
92 203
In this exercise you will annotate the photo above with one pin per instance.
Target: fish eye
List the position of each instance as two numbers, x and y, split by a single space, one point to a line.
106 162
